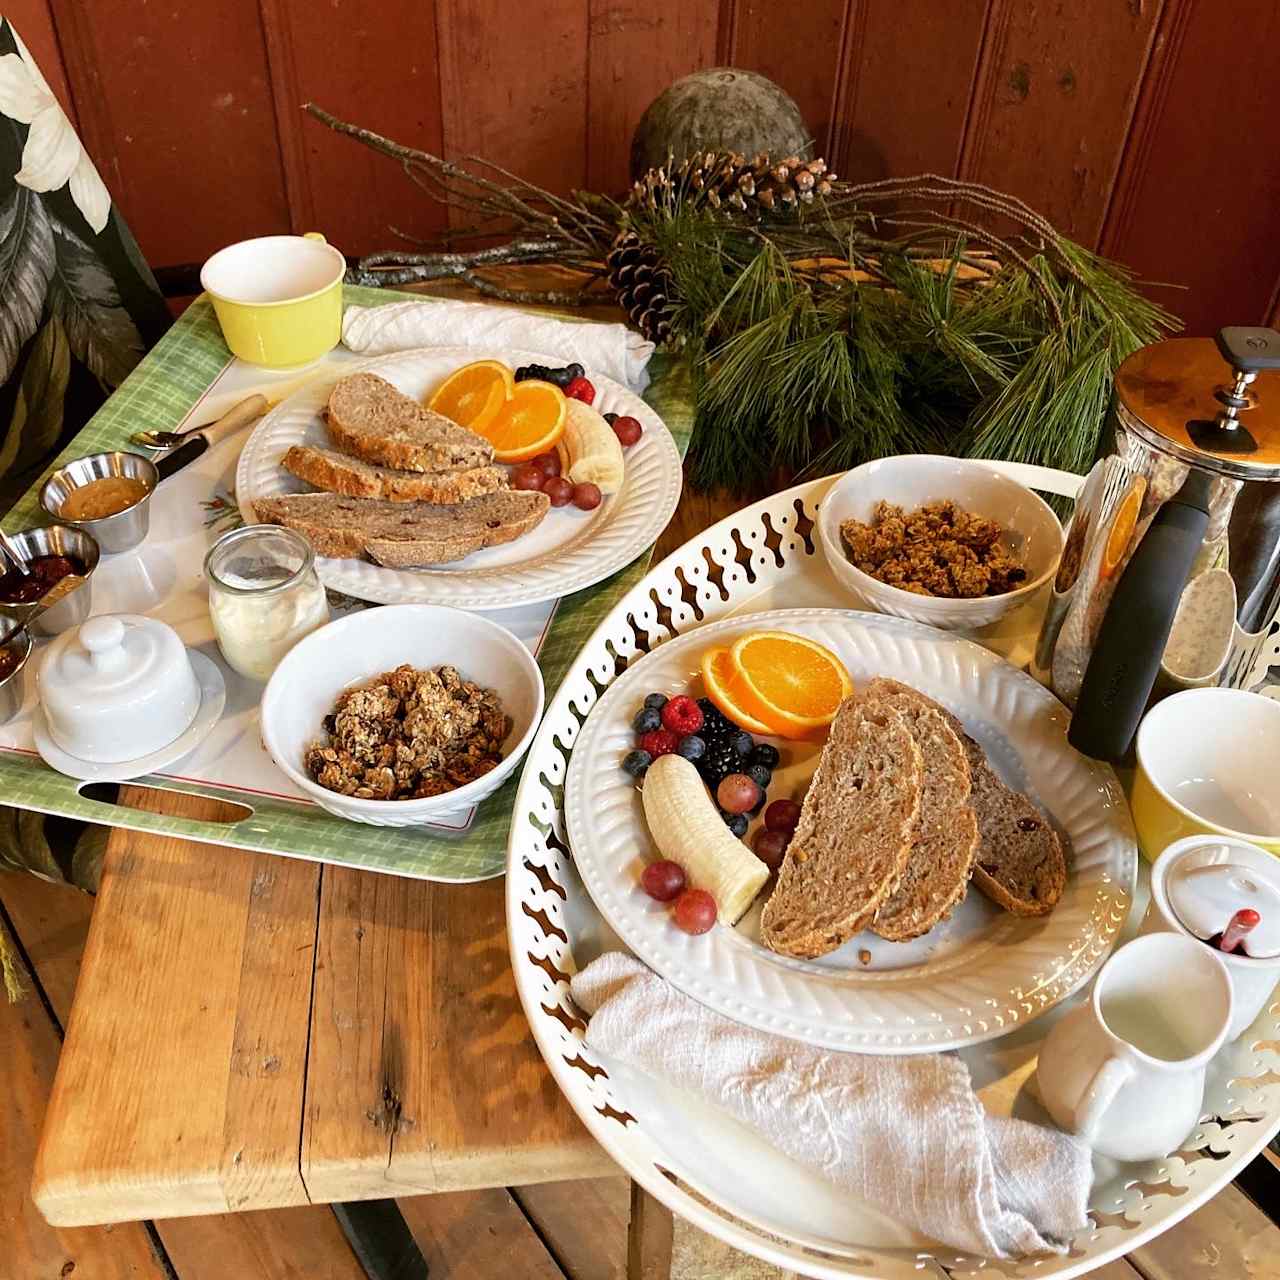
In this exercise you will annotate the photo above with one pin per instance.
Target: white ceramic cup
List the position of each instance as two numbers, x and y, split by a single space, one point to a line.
1253 979
1125 1072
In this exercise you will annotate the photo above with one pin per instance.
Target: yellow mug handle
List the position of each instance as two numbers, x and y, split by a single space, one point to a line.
314 235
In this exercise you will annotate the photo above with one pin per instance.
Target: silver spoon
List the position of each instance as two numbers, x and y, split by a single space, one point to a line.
247 411
18 560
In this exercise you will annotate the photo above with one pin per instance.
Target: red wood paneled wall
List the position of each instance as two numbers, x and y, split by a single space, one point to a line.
1143 127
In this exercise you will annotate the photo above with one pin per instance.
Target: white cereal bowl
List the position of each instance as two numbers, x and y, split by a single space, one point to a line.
304 687
1032 532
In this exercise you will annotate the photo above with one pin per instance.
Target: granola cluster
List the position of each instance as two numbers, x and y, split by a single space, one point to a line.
937 550
408 734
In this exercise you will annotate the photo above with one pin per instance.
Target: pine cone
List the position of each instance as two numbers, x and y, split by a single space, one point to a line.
734 184
642 284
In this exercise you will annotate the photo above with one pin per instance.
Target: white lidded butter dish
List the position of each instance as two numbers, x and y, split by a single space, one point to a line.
119 687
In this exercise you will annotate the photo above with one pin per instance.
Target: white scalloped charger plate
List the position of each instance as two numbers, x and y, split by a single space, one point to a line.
569 550
976 976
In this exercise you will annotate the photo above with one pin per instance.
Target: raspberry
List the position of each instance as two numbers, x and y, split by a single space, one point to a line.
659 742
682 715
581 389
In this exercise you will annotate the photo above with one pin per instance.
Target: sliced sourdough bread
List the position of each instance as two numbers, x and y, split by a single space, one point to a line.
369 419
854 835
336 473
946 835
405 535
1020 864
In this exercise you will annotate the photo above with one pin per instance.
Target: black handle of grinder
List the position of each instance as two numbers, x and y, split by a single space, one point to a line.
1126 655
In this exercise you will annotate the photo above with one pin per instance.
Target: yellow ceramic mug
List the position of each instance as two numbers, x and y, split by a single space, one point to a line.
1207 766
277 298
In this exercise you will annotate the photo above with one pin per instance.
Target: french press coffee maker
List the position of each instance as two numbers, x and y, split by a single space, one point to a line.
1195 430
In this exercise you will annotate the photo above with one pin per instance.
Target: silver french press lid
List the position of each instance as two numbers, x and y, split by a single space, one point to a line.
1213 403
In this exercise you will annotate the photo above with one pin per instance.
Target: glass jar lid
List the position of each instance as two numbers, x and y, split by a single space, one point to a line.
1170 391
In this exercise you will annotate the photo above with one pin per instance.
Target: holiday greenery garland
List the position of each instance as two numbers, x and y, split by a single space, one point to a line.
825 322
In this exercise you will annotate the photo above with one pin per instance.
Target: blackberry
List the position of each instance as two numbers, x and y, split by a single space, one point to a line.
718 761
716 726
736 822
766 755
647 718
760 775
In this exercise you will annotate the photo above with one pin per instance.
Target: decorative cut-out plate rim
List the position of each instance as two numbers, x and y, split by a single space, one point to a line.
547 909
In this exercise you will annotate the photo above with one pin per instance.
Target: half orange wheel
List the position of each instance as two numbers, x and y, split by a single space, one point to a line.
719 679
530 422
474 395
793 684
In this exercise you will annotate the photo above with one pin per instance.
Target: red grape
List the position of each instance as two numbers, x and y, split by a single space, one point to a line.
663 880
586 497
548 463
770 846
782 815
527 476
737 793
695 911
559 490
627 429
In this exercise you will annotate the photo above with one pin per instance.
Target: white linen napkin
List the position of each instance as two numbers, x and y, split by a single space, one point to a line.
612 349
906 1135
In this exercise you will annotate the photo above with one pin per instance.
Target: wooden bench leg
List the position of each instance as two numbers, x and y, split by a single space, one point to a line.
649 1237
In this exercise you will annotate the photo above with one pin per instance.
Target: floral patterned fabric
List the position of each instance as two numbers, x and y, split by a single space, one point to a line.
78 305
78 309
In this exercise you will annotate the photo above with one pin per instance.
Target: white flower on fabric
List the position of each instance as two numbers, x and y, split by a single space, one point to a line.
53 154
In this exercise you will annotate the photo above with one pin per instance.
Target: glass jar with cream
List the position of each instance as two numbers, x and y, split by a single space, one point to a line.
264 596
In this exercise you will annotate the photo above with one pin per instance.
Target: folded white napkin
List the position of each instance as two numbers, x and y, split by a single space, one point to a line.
907 1135
612 349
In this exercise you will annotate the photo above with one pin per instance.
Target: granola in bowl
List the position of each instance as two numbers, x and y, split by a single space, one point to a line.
939 549
408 734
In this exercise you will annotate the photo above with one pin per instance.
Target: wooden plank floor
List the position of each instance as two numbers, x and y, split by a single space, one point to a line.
556 1231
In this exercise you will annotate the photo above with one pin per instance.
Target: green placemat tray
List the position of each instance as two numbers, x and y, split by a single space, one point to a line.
160 393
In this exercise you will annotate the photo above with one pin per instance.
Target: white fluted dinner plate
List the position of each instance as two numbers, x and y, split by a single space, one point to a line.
977 975
569 550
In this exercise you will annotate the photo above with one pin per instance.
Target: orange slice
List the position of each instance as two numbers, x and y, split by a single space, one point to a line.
783 680
718 679
474 395
1123 523
529 423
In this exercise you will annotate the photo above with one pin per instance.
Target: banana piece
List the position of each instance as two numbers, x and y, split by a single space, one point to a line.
687 828
589 451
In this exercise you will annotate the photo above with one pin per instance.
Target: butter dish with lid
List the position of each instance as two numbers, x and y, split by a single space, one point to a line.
121 696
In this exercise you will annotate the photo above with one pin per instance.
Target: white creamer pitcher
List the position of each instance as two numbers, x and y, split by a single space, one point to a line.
1125 1072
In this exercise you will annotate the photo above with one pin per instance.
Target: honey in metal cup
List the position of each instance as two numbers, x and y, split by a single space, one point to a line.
12 685
122 531
60 540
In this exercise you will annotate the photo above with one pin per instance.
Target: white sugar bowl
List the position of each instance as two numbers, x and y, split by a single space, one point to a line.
119 687
1197 885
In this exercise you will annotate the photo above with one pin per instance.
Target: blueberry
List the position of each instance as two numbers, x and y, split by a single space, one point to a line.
742 742
656 700
561 377
760 775
647 719
636 762
610 418
575 370
766 755
691 747
736 822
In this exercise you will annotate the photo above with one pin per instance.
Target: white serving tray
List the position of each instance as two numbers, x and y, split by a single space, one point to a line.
710 1169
